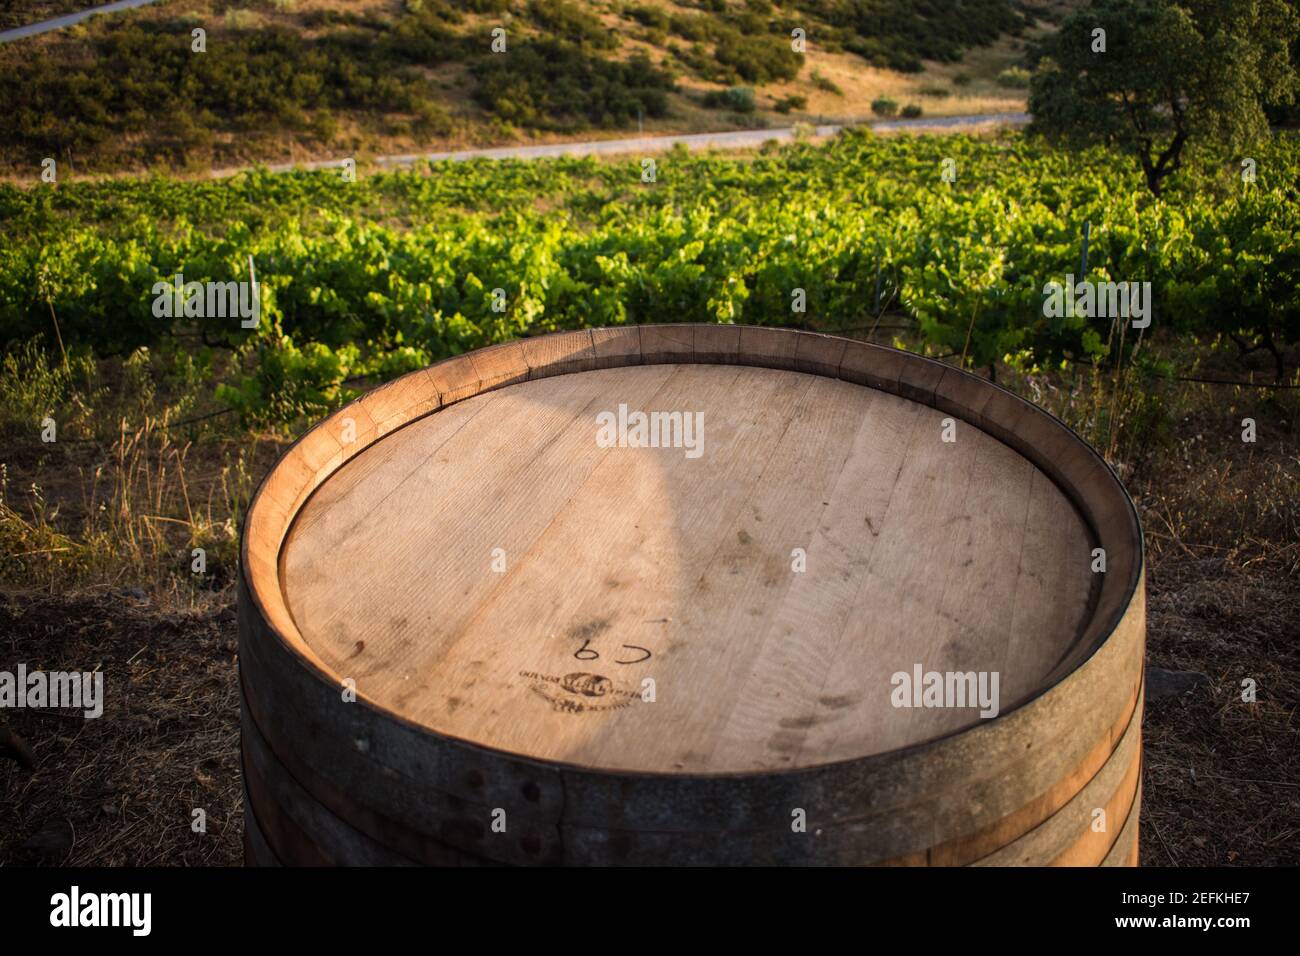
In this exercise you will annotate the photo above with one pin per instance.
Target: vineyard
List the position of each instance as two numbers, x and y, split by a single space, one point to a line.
371 278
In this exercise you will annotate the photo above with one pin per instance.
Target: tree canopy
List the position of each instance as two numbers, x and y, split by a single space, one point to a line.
1162 79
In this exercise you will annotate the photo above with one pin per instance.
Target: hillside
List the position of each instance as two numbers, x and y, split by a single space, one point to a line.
282 80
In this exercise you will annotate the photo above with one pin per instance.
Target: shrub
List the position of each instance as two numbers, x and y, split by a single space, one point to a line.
432 119
749 23
242 19
739 99
758 59
885 55
323 18
324 126
825 83
140 95
563 20
690 27
554 85
884 106
900 33
788 103
911 111
697 58
1014 77
652 17
938 92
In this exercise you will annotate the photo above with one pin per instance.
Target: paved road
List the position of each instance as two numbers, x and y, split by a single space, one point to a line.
67 20
736 139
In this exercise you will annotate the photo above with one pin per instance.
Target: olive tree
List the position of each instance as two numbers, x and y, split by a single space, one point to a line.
1159 79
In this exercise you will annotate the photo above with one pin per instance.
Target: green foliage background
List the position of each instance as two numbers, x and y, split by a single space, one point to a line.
398 269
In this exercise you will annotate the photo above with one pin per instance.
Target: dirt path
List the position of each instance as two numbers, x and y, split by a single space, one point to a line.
733 139
68 19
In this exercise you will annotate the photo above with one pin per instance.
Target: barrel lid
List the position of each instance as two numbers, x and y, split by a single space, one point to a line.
690 568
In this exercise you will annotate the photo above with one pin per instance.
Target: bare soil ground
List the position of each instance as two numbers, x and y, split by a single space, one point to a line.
122 789
1221 777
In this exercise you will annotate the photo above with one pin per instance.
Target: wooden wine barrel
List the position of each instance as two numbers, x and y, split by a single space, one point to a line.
691 595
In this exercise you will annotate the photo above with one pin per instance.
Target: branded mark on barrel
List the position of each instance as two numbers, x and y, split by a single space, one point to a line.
579 692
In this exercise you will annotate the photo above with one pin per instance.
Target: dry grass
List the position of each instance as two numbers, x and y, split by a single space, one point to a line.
130 486
133 511
1221 776
861 83
96 532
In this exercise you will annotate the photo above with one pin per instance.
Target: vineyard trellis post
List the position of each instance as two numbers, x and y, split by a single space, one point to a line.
1083 262
876 307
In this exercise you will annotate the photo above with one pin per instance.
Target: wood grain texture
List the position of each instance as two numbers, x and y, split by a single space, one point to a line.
631 564
366 555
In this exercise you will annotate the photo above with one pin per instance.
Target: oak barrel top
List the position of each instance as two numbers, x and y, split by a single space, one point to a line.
507 572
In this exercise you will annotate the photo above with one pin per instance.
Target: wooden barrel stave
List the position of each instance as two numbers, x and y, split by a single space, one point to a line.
592 798
275 793
385 779
343 833
1068 830
1125 850
288 842
256 850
